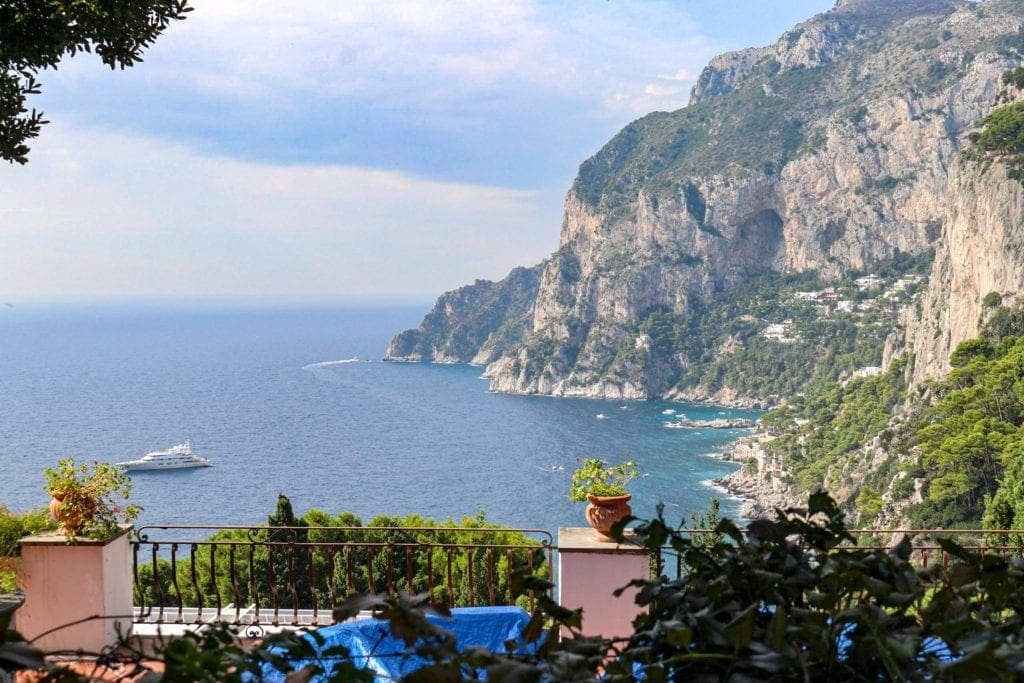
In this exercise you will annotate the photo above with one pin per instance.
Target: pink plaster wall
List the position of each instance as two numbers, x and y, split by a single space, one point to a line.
589 574
64 583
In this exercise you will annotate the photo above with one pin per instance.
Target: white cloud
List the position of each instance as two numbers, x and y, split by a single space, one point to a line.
97 215
105 213
364 49
683 74
421 55
516 92
659 90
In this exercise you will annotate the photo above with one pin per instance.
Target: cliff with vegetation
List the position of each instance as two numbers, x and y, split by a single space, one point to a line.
474 324
934 441
722 253
796 167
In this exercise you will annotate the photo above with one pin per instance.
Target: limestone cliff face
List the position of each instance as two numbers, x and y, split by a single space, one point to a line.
826 151
808 45
606 276
981 251
879 185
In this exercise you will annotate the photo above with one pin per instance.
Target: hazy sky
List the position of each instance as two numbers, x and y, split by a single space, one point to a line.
323 150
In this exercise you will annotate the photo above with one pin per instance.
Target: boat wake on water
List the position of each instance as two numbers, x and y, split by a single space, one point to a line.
329 363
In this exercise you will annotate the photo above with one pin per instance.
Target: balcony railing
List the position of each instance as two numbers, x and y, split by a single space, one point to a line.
289 576
925 548
292 576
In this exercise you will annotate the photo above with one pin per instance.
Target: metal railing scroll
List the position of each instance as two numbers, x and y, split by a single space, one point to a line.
290 576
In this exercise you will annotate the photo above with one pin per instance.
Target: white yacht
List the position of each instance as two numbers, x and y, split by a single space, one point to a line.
174 457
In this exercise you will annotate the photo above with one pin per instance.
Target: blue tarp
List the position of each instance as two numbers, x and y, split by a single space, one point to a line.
371 645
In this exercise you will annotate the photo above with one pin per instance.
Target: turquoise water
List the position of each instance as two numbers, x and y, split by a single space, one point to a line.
260 392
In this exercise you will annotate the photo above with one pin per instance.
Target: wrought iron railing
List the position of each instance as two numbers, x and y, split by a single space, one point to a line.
289 576
295 575
926 549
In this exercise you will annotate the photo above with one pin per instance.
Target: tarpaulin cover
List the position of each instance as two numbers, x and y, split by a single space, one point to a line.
371 645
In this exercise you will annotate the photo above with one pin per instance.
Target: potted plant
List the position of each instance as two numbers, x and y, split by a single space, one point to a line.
603 486
85 498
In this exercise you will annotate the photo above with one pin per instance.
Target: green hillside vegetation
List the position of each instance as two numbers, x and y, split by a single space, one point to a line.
1002 130
970 439
839 420
822 345
965 442
1002 136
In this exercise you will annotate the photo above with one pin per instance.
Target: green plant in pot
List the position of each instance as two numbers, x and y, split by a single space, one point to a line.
85 499
603 486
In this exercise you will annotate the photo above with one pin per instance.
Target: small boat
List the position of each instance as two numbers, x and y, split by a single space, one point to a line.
175 457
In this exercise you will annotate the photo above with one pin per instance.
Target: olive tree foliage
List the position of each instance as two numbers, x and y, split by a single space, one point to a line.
36 34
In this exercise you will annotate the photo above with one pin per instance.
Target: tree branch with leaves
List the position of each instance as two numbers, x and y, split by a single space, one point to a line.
36 34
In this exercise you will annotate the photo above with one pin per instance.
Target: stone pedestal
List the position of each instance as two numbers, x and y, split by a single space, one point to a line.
590 569
64 583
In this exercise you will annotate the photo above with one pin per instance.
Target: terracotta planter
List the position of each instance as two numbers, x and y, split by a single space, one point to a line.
72 521
604 511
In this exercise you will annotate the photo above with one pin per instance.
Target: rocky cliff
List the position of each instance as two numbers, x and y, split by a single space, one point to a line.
473 324
981 251
827 151
979 265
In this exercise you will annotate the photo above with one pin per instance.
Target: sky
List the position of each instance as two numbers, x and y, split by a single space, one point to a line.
333 151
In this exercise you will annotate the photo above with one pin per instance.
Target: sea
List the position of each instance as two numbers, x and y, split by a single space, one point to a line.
298 401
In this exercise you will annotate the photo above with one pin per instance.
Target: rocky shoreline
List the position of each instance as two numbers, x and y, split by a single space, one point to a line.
718 423
758 481
722 399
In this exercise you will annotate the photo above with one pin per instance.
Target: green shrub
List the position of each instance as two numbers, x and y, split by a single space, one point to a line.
15 525
992 299
1014 77
1003 134
869 503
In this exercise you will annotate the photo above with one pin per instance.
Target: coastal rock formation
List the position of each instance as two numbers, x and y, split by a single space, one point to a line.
473 324
826 151
760 479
